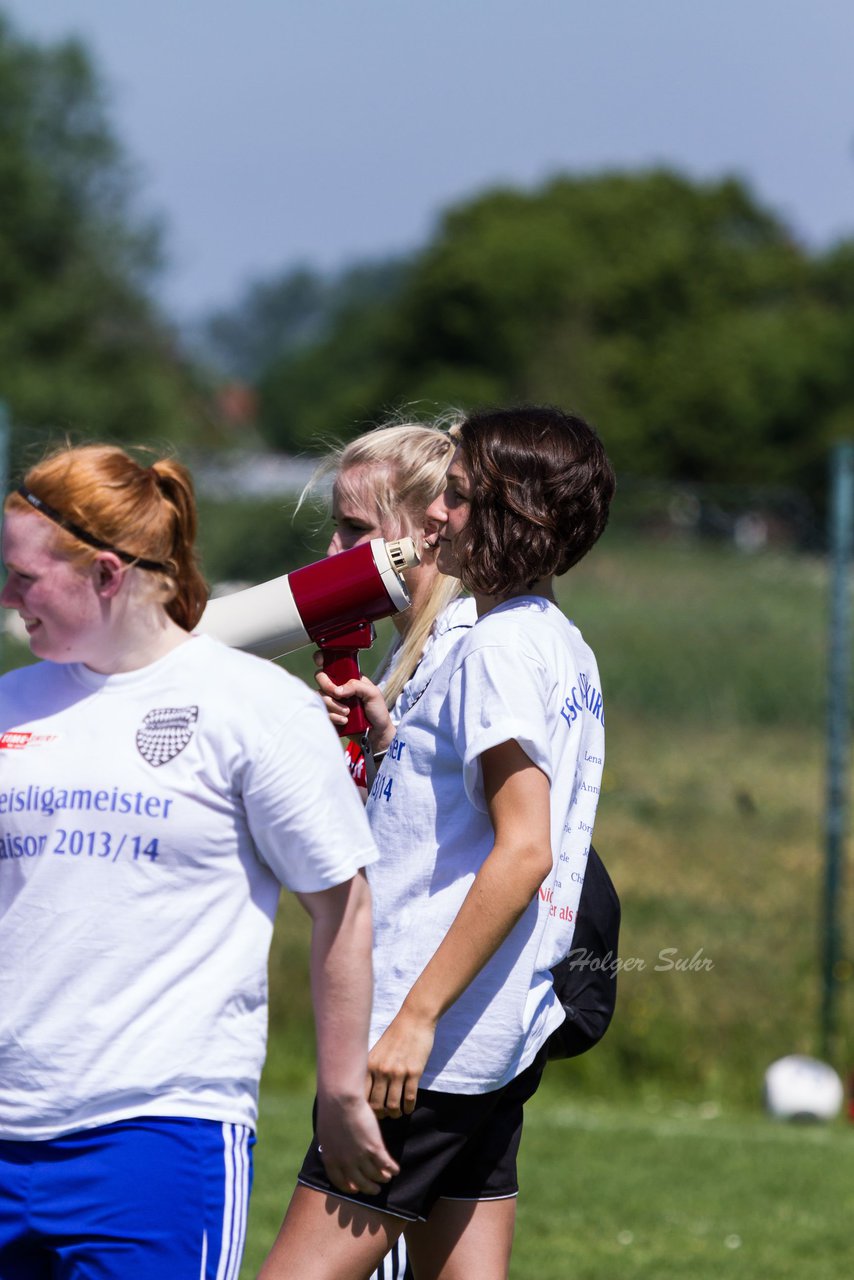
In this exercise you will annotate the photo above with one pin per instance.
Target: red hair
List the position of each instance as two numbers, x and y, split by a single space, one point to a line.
146 512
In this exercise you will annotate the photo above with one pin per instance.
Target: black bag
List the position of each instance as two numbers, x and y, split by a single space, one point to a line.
585 981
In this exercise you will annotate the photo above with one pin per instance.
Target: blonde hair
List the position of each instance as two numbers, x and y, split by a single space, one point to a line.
397 470
144 513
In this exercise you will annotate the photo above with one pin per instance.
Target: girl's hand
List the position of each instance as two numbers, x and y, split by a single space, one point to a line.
351 1146
396 1064
381 726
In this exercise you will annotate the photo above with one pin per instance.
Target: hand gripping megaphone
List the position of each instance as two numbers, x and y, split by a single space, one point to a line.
332 603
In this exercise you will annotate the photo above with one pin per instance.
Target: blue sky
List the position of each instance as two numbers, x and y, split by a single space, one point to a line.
275 132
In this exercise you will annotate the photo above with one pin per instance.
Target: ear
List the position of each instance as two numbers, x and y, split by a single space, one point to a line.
108 574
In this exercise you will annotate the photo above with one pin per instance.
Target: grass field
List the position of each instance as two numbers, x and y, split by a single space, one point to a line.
658 1191
712 812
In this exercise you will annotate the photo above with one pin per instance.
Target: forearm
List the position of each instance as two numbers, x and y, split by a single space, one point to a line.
502 890
501 893
517 795
349 1139
341 992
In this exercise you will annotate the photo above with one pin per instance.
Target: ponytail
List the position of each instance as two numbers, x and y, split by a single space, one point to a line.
187 605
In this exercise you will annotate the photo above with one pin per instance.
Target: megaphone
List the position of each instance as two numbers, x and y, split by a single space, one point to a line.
332 604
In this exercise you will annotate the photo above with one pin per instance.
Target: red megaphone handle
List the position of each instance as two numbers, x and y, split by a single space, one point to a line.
342 665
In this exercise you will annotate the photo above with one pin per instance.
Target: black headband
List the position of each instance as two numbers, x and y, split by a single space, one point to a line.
83 536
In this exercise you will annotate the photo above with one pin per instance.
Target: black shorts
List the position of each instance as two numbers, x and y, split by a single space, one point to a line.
454 1146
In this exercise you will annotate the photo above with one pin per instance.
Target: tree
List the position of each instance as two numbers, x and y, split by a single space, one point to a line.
620 295
277 319
272 317
682 317
314 343
82 348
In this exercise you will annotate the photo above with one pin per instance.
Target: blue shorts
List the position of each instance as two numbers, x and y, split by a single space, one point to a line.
144 1199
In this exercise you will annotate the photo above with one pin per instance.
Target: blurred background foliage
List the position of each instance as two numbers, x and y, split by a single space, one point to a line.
683 317
82 347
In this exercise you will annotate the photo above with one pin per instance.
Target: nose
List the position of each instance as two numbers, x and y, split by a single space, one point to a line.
436 513
335 544
9 598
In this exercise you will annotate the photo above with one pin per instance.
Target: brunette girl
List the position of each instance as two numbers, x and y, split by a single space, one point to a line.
483 810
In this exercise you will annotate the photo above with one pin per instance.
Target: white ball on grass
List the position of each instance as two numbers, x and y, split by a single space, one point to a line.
801 1088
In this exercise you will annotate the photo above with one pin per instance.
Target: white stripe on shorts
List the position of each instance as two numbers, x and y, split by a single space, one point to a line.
393 1264
236 1199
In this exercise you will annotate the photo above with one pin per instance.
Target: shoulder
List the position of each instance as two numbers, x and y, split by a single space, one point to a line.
459 615
526 621
38 682
451 627
27 677
253 710
527 629
244 681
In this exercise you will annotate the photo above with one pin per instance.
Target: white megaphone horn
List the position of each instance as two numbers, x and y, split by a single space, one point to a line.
332 603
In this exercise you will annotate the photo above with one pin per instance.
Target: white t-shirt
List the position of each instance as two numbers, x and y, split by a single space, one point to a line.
523 672
147 821
447 631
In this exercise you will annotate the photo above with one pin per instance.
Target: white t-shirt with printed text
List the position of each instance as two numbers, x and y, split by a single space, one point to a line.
447 630
523 672
147 822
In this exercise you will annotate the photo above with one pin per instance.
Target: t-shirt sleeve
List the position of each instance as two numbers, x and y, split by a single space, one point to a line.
304 813
501 696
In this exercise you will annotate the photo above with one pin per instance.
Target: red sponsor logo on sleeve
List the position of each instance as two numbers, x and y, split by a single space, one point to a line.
17 739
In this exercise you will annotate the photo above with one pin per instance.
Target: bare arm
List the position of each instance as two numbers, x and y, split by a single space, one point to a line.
517 796
352 1147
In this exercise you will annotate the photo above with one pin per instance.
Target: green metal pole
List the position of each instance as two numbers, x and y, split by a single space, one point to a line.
838 735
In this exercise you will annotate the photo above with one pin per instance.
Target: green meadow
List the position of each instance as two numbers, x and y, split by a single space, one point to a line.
643 1191
652 1157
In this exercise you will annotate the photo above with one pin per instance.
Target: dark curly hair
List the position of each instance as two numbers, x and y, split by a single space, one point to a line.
541 488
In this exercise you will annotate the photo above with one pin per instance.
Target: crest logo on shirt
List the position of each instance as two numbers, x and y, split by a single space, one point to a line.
165 733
